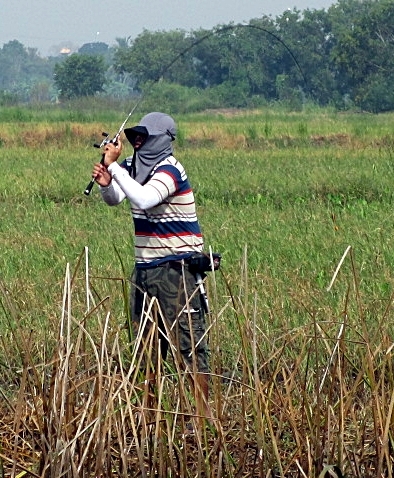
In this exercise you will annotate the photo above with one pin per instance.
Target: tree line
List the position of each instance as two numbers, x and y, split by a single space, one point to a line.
341 56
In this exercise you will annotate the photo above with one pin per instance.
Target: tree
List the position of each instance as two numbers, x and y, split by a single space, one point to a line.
207 58
13 58
155 55
94 48
22 69
80 75
364 32
308 36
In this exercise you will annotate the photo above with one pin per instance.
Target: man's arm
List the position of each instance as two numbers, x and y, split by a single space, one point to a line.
112 194
143 197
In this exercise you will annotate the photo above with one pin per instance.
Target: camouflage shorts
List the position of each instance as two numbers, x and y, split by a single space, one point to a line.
182 325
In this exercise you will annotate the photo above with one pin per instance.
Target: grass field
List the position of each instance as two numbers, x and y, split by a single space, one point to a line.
301 342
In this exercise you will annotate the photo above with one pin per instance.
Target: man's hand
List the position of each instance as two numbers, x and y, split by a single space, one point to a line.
101 175
111 155
112 152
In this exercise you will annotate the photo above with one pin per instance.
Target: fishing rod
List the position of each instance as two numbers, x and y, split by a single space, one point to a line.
107 140
114 140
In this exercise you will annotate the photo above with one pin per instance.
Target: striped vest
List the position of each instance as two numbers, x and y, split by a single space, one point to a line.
171 227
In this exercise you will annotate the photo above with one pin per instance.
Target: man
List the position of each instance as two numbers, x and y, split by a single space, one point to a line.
167 235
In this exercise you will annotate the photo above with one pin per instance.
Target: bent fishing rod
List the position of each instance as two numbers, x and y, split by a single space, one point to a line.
114 140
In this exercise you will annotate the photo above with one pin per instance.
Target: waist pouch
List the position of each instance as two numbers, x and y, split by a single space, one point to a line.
196 263
201 262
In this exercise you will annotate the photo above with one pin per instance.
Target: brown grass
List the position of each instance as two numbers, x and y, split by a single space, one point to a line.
210 135
315 401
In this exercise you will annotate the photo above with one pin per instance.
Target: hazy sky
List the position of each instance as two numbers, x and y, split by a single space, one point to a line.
50 24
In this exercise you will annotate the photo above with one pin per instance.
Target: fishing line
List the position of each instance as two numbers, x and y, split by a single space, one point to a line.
210 34
223 30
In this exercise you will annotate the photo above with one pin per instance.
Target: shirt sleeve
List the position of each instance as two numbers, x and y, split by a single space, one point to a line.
112 194
142 196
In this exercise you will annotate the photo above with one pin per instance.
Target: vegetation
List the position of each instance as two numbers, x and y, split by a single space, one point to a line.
337 57
80 75
300 206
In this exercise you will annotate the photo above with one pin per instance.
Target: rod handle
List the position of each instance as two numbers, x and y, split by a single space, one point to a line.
89 187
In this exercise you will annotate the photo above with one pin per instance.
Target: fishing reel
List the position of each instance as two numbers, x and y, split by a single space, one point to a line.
105 141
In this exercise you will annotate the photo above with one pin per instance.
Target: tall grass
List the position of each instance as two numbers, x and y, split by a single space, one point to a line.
304 402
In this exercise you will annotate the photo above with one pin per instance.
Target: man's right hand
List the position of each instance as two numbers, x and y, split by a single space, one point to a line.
101 175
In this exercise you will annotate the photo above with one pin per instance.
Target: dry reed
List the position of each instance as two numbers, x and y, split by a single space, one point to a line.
316 401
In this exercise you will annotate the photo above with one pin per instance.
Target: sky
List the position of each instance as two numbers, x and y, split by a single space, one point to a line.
50 25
